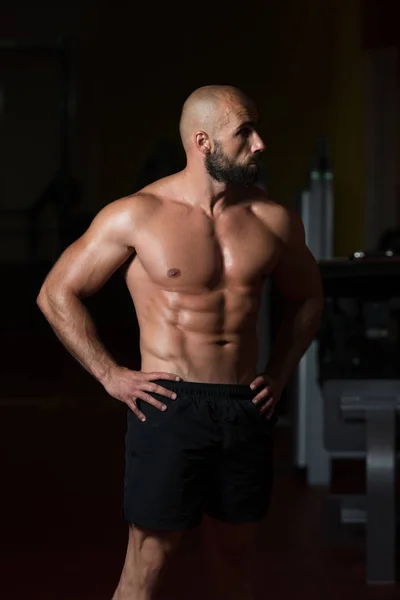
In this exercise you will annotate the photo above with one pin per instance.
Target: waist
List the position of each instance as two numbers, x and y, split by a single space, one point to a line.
169 343
211 390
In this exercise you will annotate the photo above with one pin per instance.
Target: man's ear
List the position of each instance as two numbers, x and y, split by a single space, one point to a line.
203 142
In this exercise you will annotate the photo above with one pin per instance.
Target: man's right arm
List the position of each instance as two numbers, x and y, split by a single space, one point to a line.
83 268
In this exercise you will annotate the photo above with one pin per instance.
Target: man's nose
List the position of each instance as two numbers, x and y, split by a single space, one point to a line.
258 145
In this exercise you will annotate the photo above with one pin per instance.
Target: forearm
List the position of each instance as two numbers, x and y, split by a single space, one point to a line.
296 331
75 328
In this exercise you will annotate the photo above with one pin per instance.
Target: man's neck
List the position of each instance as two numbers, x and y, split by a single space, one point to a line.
202 191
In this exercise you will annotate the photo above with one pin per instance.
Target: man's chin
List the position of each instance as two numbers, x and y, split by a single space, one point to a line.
254 171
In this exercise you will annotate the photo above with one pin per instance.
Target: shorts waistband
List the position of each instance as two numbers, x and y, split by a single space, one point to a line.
212 390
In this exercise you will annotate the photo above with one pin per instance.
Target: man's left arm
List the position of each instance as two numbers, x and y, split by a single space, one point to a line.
298 280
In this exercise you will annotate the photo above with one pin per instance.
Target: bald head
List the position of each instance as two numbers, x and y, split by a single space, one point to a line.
208 109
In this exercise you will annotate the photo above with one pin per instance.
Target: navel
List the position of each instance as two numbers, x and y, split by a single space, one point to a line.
173 273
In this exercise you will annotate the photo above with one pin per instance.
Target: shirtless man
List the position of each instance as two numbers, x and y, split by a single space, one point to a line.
196 247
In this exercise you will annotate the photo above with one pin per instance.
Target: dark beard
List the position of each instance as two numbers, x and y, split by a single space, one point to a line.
223 170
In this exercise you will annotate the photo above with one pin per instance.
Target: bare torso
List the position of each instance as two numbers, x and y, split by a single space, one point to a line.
196 284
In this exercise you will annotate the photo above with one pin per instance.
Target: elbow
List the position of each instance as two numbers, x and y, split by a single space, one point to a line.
48 299
42 299
53 299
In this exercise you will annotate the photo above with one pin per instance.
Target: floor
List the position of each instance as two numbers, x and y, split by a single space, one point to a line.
62 533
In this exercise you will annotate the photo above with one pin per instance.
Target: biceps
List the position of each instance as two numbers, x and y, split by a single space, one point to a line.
85 266
297 275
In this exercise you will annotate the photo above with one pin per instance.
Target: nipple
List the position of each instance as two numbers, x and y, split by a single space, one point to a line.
173 273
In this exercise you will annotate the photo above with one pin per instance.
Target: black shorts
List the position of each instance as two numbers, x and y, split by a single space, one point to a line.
210 451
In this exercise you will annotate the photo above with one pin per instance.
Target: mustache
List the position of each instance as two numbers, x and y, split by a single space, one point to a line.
255 160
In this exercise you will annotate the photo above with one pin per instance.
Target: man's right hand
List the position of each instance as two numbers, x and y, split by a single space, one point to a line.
129 386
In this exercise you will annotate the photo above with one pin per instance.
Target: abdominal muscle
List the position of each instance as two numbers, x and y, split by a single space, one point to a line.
208 337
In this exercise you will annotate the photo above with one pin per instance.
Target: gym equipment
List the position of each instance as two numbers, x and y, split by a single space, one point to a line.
359 374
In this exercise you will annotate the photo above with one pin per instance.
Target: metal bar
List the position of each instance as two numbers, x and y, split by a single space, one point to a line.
381 508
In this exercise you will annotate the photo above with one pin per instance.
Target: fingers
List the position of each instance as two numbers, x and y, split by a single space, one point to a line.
266 393
150 400
268 408
156 375
154 388
269 392
132 405
146 398
258 381
144 386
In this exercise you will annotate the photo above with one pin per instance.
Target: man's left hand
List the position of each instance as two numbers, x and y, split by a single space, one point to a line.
269 393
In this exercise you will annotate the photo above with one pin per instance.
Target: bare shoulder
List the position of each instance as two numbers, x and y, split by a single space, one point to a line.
132 212
126 214
282 221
